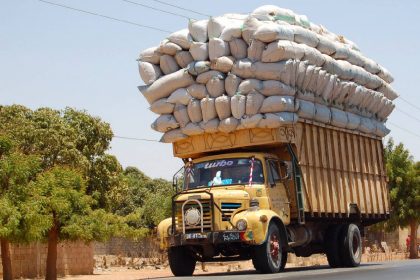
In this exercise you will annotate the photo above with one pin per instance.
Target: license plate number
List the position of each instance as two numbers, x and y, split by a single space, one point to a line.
230 236
195 236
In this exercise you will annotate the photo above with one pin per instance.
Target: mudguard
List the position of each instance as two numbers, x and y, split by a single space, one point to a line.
162 232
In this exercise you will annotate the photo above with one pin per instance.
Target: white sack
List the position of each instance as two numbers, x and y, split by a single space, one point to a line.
165 123
216 86
269 32
282 50
367 126
250 85
275 120
211 126
194 111
168 64
274 104
272 87
192 129
238 105
181 115
232 83
198 30
254 100
218 48
173 135
222 104
255 50
150 55
161 106
338 118
353 121
149 72
197 67
198 91
305 36
322 113
183 58
251 121
165 85
169 48
199 51
325 45
306 110
228 125
208 109
181 38
238 48
179 96
243 68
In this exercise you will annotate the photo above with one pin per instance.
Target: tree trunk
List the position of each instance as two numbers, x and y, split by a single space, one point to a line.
51 271
413 240
6 260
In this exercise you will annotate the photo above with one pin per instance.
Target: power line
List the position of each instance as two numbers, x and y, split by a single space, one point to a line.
407 114
408 102
105 16
402 128
181 8
156 9
136 139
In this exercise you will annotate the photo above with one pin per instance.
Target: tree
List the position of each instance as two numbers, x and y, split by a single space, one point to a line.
61 196
20 219
404 184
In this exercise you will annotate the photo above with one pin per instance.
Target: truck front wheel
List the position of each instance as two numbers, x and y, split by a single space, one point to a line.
181 261
268 257
351 245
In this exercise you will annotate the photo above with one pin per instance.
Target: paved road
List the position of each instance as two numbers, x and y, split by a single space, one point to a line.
401 270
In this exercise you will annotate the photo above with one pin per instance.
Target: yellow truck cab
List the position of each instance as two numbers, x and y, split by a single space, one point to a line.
261 193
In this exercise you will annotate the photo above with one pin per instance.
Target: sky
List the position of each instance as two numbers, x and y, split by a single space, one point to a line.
55 57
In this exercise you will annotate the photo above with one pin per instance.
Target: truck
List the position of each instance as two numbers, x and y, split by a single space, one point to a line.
258 194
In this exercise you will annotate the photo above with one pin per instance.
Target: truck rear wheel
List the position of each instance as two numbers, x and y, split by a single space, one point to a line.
268 257
181 261
331 245
351 245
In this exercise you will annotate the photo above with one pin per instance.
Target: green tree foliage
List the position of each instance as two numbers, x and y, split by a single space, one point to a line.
404 184
148 201
20 218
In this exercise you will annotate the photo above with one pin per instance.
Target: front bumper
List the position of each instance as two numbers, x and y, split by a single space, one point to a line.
213 238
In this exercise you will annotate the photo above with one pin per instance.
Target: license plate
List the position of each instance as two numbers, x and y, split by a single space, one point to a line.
195 236
230 236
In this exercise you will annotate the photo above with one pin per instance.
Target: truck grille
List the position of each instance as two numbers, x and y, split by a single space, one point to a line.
207 216
228 208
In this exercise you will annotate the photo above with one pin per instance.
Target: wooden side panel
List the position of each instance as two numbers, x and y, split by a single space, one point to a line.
340 168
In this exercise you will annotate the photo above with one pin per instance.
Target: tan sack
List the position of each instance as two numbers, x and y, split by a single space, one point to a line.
173 135
181 115
232 83
198 91
223 64
169 48
203 78
366 125
272 87
165 85
322 113
194 111
251 121
305 36
164 123
192 129
150 55
208 109
238 48
238 104
338 118
255 50
161 106
198 30
243 68
216 86
353 121
179 96
218 48
222 104
168 64
254 100
149 72
275 120
199 51
197 67
211 126
250 85
181 38
282 50
269 32
306 110
325 45
228 125
273 104
183 58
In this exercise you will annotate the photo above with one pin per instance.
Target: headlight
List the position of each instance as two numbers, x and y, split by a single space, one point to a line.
241 224
170 231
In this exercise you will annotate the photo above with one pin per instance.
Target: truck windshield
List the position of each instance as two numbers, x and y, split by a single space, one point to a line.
222 172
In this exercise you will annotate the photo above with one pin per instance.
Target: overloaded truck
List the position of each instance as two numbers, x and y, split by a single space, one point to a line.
260 194
279 123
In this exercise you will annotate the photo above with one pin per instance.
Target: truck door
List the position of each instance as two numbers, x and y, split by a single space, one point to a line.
276 190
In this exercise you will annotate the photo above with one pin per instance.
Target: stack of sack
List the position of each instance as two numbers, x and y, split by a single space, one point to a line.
262 70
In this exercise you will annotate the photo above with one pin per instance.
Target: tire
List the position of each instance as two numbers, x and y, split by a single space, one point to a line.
351 246
331 245
268 257
181 261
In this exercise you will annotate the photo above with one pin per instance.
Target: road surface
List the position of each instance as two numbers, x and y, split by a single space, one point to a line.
400 270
